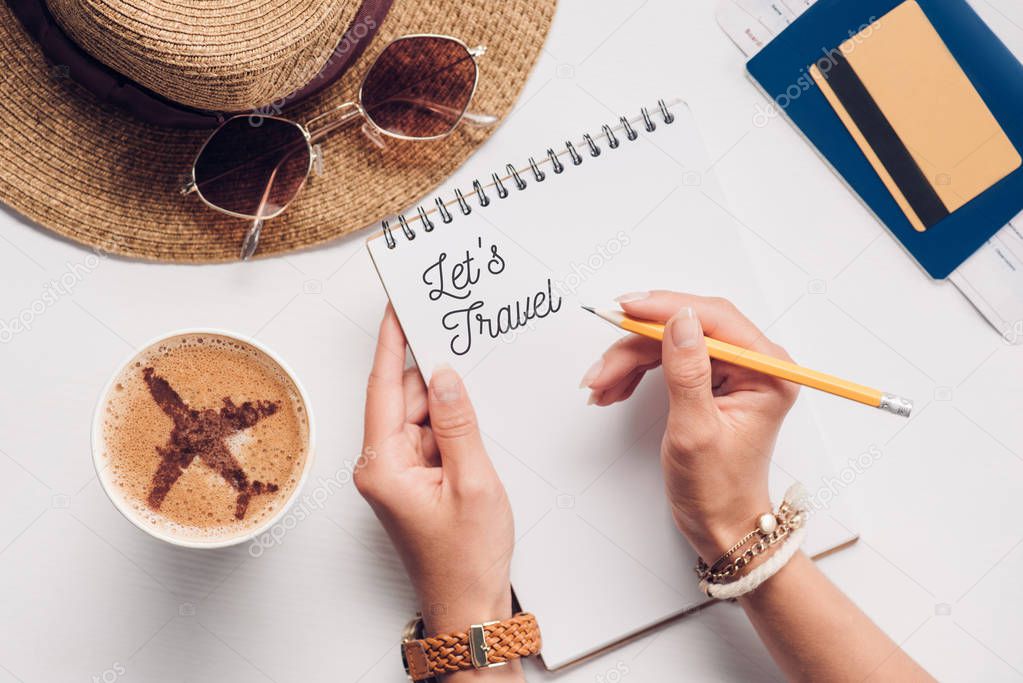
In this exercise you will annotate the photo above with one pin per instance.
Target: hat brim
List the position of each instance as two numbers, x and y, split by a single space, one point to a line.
89 172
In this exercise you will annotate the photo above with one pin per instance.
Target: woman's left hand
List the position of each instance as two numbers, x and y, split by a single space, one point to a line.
426 474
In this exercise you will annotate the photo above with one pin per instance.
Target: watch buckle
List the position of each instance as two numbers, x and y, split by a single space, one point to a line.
479 651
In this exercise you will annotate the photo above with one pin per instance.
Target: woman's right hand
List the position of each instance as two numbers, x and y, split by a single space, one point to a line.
722 424
722 421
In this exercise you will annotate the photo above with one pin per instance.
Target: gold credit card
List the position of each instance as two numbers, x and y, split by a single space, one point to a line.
916 116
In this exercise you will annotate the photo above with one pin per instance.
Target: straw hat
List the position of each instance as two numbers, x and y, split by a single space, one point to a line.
91 171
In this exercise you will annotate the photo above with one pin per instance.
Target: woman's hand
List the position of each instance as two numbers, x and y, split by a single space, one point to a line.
722 422
428 478
437 494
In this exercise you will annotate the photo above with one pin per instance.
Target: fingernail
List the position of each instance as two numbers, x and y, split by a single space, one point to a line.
685 328
594 397
632 296
592 374
446 386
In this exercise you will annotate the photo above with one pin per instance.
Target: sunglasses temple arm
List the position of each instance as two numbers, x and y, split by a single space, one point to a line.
251 241
470 117
479 119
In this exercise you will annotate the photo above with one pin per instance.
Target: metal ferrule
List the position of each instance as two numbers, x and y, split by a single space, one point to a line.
896 405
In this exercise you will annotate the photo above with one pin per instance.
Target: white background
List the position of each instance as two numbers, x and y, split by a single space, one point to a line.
85 596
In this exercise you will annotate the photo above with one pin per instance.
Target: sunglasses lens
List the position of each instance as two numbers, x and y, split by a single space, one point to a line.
419 87
253 166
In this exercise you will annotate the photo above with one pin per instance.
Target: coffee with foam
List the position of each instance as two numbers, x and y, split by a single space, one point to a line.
204 438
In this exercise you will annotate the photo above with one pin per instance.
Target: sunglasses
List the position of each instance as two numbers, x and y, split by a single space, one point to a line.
253 166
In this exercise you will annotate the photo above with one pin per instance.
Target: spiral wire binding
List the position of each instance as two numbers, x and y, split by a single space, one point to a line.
445 215
462 204
576 158
424 218
665 114
519 182
613 142
410 234
477 186
537 173
630 132
612 139
502 191
556 164
647 121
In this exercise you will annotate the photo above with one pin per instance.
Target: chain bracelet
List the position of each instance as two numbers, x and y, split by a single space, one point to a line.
789 519
738 544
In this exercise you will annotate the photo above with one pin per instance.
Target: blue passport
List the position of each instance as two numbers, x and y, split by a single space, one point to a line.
918 106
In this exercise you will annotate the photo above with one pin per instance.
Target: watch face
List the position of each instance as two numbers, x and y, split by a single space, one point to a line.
413 631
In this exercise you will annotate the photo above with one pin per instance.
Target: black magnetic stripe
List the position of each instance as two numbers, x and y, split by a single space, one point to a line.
886 143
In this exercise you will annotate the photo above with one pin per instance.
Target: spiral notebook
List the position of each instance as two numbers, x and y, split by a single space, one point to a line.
489 279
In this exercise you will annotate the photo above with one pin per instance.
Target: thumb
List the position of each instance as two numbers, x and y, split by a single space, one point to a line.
455 429
688 373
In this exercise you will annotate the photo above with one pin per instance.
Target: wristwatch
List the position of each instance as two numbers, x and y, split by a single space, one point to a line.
483 646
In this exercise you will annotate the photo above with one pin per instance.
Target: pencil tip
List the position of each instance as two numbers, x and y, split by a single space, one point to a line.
589 308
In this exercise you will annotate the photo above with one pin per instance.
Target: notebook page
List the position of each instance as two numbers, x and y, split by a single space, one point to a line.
496 294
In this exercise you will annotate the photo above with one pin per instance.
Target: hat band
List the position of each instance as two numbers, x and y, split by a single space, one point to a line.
117 89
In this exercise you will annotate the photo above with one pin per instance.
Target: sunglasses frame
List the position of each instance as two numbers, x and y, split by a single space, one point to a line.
473 52
357 111
193 186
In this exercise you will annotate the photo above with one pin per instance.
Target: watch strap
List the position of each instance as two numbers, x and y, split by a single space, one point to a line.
482 646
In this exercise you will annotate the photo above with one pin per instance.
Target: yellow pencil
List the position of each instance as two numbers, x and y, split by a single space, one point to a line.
736 355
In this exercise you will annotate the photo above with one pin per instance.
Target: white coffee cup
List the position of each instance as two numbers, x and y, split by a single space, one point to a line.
126 508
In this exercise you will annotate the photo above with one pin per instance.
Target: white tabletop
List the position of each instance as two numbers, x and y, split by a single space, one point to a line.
86 596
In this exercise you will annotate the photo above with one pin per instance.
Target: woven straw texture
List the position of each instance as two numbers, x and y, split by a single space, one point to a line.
250 52
93 174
